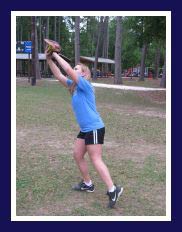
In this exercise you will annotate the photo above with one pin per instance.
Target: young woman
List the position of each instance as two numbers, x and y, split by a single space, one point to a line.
92 129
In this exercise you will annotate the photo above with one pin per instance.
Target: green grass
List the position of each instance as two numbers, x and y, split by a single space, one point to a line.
134 152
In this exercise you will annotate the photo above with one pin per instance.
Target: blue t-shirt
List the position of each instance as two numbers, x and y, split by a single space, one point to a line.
84 106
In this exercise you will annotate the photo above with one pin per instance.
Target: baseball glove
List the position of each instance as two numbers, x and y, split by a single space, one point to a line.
52 46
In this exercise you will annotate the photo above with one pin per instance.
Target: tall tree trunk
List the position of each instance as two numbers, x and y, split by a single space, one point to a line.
55 29
92 44
47 28
40 34
157 60
59 29
21 38
35 60
17 28
92 35
105 43
46 35
40 39
142 65
163 79
77 39
21 32
117 76
97 48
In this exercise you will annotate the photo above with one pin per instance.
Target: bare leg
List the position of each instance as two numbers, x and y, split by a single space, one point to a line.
79 152
95 154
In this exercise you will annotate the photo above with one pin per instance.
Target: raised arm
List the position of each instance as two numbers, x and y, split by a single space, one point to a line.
67 68
56 72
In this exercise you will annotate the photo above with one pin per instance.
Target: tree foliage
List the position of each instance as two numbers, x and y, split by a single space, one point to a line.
136 31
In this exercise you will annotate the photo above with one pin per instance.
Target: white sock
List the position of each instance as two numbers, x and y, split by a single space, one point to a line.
88 183
112 189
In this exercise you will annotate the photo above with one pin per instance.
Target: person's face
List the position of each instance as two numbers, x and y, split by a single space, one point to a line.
78 69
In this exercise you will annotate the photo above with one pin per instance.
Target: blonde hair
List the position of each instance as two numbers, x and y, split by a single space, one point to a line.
85 70
87 74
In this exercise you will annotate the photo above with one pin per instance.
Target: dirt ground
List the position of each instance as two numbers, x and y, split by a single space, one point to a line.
134 151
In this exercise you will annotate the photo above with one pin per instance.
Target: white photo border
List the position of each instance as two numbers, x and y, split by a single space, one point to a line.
14 217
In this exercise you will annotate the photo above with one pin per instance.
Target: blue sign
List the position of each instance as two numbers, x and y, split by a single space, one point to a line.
24 47
28 47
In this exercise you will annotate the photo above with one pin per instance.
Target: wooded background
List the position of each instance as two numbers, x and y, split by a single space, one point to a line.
130 41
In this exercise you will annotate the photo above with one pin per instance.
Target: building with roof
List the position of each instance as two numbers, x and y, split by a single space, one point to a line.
23 64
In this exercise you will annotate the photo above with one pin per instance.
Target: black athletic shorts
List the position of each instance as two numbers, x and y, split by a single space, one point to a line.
93 137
